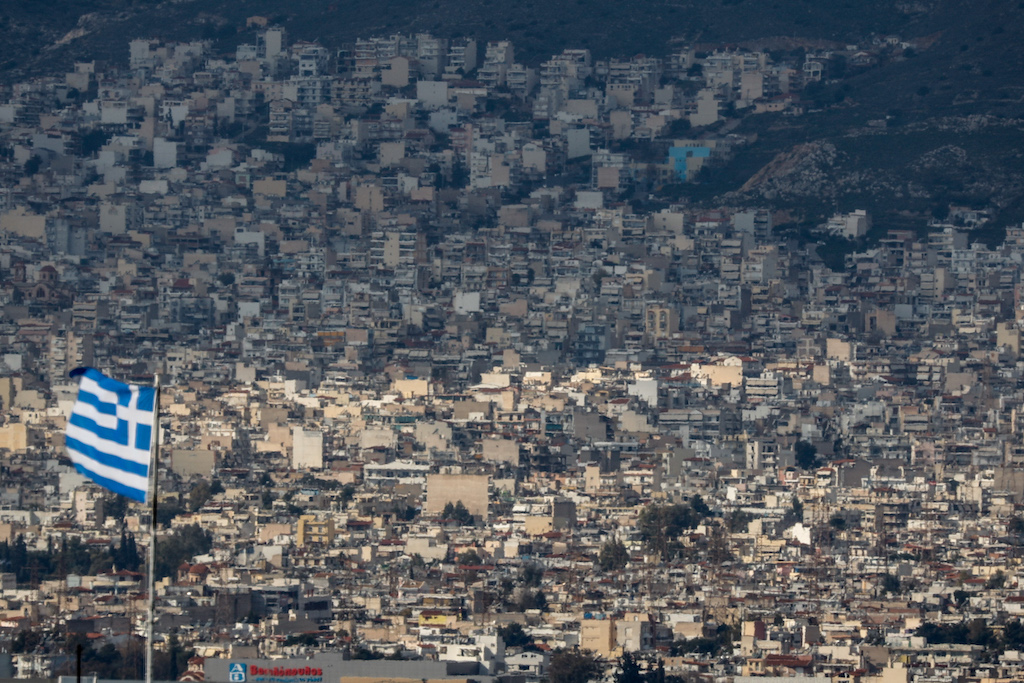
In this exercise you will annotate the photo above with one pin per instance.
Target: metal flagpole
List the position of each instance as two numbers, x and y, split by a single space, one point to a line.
153 460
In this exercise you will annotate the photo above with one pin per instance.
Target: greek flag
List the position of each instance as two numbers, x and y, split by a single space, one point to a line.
110 433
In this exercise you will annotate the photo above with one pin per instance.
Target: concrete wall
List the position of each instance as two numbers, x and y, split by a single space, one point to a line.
186 463
471 489
501 450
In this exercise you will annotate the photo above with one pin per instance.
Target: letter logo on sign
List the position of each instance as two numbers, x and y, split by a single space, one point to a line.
236 673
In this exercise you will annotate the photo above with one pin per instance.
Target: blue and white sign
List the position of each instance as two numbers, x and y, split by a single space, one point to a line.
236 673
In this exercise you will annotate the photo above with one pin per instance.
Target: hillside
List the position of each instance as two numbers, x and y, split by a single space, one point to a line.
933 126
923 127
49 36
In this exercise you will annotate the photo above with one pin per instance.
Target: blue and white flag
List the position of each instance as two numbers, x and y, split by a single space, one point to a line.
110 433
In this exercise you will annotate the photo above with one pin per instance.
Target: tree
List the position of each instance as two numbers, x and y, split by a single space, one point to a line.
115 506
126 555
573 666
416 565
181 546
105 661
26 641
32 166
1013 635
720 643
806 455
470 557
699 506
346 494
629 672
974 632
103 562
678 128
514 635
457 513
613 556
169 664
718 550
168 511
979 633
72 558
532 600
307 639
658 675
661 525
739 521
531 575
459 173
94 140
996 580
198 496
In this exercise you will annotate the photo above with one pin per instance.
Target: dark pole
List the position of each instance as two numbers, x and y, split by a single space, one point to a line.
78 664
154 462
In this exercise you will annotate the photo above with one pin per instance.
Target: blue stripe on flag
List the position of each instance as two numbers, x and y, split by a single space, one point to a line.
113 485
118 435
96 402
106 458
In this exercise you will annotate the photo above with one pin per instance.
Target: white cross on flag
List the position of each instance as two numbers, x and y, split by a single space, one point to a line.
109 436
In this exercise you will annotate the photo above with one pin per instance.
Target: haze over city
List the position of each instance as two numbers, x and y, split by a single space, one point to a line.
570 342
